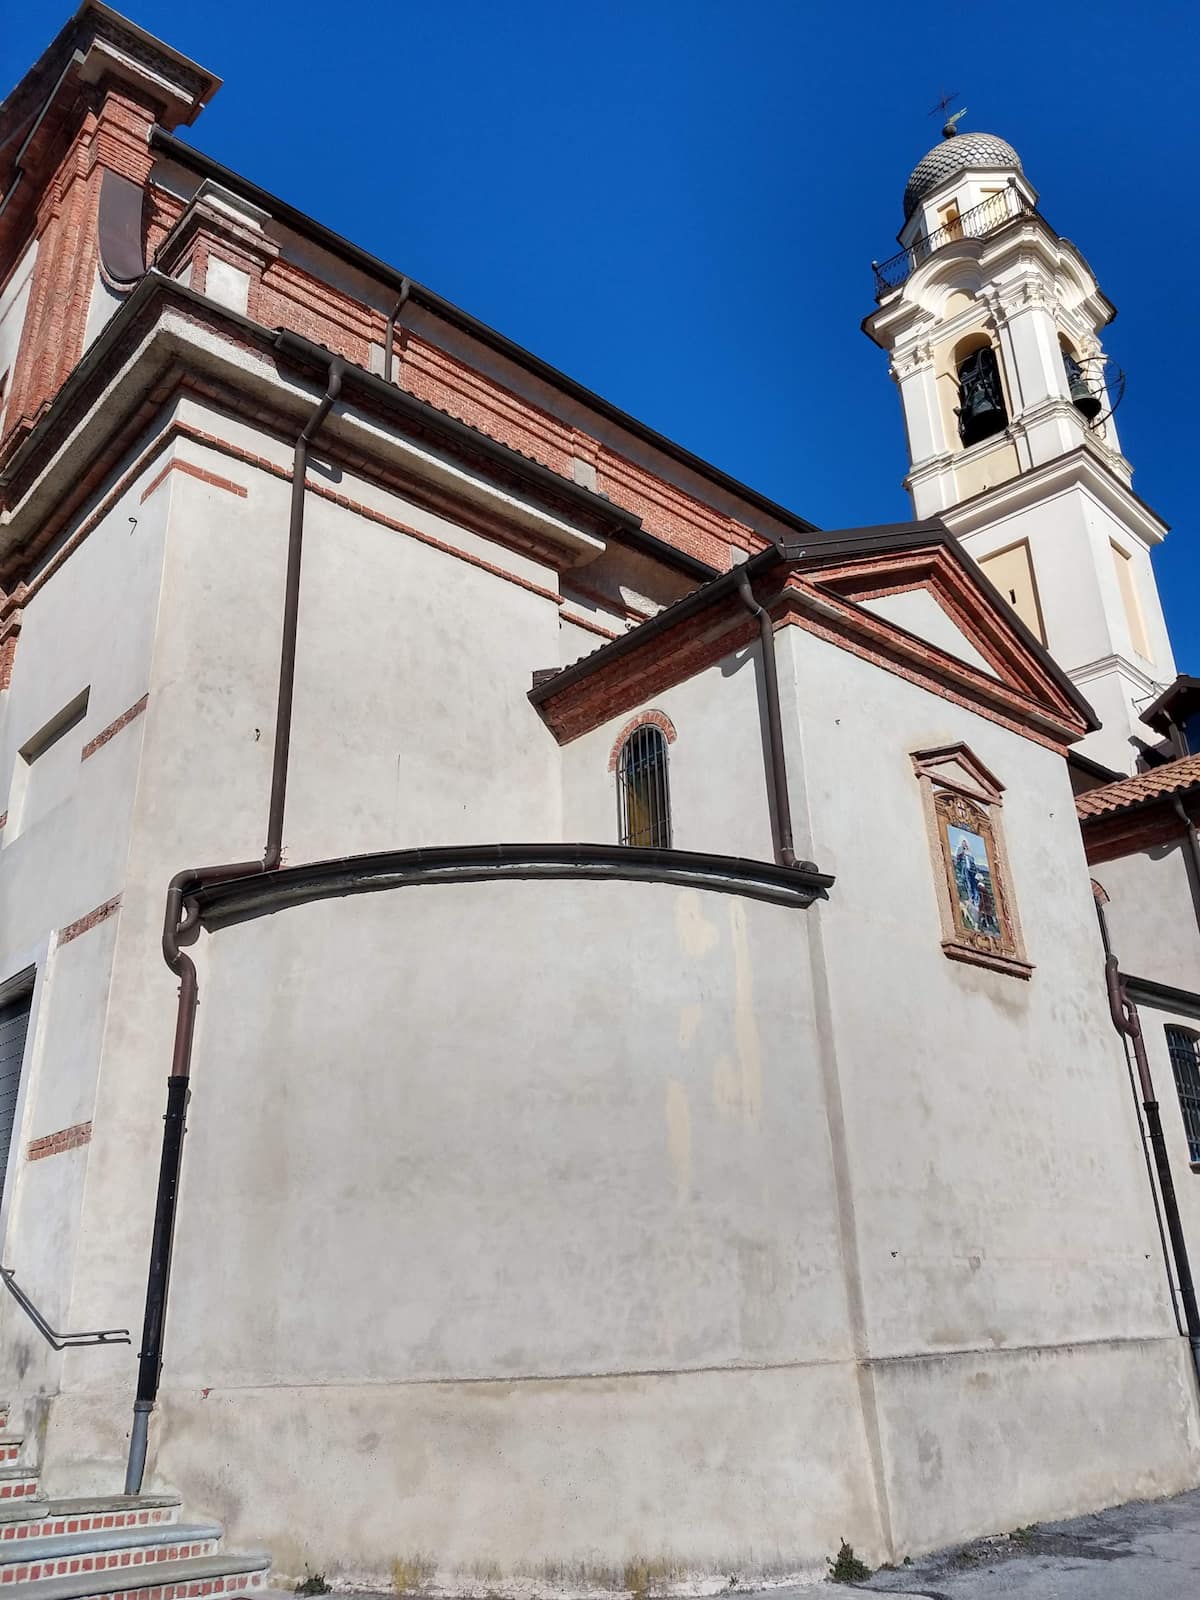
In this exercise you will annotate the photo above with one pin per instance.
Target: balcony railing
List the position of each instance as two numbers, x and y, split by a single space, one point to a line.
982 219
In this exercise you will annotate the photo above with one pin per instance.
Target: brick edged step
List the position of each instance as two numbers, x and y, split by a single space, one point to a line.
63 1555
165 1580
10 1448
40 1519
17 1483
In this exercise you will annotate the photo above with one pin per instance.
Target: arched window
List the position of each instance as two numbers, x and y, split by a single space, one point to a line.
981 410
643 798
1184 1048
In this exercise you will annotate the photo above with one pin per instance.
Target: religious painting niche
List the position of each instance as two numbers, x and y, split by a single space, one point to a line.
962 808
972 875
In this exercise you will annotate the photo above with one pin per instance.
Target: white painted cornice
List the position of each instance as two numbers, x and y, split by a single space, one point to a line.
1080 468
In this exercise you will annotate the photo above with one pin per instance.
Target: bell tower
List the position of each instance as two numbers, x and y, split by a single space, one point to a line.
992 323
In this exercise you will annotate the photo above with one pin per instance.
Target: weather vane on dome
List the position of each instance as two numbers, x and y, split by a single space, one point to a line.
950 127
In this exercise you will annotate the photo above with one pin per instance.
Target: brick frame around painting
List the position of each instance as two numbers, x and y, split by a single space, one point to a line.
957 788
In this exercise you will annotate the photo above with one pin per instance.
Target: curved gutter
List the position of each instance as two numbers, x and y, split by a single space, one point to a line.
220 904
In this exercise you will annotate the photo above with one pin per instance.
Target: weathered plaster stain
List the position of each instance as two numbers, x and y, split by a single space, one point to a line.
745 1023
697 935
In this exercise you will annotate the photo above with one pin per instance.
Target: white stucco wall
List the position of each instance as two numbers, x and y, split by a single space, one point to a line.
716 766
999 1194
731 1228
1152 915
90 626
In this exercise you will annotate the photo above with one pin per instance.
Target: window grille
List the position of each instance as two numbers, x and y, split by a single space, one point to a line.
1185 1062
643 801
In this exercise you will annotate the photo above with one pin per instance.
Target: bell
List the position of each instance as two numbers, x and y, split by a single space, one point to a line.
1082 398
979 416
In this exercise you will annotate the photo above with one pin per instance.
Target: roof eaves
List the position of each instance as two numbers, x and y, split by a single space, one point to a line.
310 228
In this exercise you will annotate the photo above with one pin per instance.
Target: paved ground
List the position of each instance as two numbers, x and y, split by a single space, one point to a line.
1145 1551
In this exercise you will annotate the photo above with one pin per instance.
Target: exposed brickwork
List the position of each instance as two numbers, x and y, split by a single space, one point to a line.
18 1488
590 624
653 719
3 819
114 728
8 654
91 920
187 467
89 1522
53 1144
106 1561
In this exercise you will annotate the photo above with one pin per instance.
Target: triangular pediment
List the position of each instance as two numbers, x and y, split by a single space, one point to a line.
956 767
922 613
921 607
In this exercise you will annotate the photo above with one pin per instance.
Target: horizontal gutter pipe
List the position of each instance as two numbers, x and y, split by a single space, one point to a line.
390 338
1127 1022
785 852
181 919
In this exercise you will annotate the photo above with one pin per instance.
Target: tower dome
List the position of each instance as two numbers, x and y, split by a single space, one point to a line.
956 152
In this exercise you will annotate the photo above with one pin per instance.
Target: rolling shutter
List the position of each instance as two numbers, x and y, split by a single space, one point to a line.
14 1025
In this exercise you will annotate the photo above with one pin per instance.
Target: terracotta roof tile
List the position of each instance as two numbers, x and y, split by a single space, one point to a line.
1175 777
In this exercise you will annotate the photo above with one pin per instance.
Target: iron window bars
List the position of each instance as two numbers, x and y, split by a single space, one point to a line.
643 799
1184 1050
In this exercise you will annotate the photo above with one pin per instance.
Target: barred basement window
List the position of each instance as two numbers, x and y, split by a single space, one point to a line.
643 800
1184 1048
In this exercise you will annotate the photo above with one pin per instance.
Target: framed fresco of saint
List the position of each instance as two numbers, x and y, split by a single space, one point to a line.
974 891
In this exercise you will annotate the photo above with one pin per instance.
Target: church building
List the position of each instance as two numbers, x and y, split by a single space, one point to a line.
562 1028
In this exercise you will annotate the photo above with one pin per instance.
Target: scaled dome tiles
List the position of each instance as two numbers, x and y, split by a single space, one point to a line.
956 153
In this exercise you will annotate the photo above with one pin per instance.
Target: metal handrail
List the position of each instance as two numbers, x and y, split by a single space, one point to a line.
982 219
59 1341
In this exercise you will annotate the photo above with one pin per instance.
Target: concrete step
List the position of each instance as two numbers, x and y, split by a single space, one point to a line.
39 1519
165 1580
65 1554
16 1483
10 1447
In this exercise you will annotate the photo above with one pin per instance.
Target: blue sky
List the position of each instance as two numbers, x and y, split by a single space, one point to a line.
678 203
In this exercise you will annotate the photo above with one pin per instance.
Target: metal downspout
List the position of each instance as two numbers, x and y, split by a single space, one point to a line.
1193 847
1127 1022
390 337
180 920
785 852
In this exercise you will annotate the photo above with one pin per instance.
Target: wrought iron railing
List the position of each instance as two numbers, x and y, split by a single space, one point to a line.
982 219
59 1341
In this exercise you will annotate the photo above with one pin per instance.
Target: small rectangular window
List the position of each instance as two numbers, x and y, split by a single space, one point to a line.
1184 1048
